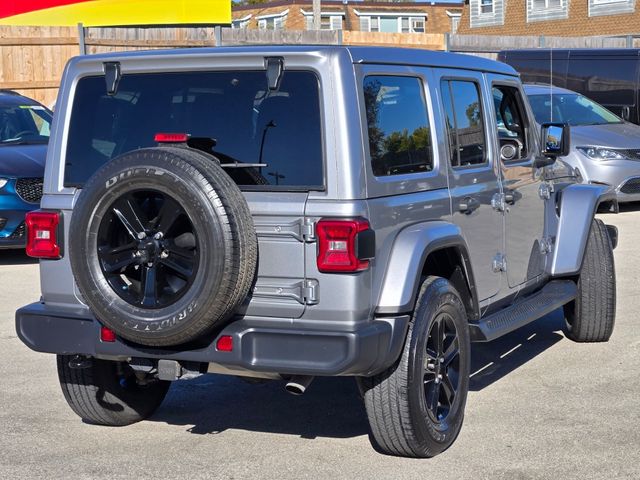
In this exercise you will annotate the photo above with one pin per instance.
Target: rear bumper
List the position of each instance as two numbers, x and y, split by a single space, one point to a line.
259 345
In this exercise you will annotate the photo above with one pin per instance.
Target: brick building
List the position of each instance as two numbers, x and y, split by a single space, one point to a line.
550 17
390 17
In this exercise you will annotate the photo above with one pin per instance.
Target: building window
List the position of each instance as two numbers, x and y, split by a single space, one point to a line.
241 22
273 22
454 19
486 7
412 24
327 21
541 10
407 23
610 7
486 13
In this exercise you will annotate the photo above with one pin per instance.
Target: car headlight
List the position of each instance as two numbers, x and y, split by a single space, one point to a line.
597 153
3 182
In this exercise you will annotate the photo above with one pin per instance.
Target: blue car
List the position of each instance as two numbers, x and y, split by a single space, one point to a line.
24 134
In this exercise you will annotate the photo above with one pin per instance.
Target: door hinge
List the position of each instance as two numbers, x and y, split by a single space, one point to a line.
546 245
308 230
545 190
499 202
310 292
499 263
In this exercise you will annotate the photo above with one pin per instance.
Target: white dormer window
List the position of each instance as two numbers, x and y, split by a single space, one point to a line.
540 10
486 7
486 13
274 21
241 22
611 7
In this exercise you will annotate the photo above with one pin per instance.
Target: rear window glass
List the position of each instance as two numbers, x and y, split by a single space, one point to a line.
278 132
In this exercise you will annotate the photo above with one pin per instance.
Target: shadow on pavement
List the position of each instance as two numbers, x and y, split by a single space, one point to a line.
492 361
15 257
214 403
332 407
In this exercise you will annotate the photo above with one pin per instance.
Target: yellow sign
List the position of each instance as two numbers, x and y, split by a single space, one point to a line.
97 13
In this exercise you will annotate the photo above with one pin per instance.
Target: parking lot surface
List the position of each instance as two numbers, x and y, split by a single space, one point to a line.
540 406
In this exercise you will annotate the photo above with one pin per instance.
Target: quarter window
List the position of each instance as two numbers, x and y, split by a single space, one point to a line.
465 126
398 125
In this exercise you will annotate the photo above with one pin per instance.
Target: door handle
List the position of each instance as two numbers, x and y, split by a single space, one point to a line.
468 204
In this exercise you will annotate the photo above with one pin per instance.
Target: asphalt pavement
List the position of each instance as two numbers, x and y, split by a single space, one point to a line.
540 407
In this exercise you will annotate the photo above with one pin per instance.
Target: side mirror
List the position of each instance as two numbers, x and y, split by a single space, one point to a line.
556 140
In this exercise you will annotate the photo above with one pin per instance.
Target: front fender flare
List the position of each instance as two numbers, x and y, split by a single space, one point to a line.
410 250
578 205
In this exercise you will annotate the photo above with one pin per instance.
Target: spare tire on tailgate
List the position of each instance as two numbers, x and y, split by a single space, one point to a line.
162 245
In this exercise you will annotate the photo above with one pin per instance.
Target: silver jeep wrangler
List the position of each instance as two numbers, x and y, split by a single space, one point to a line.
291 212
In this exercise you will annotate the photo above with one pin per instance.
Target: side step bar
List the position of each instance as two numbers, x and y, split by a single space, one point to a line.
525 310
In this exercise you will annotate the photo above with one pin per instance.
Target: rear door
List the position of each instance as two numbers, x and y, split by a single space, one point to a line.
473 175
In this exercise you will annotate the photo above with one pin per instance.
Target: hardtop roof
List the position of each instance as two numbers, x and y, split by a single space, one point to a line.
364 55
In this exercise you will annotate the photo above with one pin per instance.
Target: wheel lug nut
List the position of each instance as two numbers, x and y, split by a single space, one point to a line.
442 360
158 236
142 236
164 254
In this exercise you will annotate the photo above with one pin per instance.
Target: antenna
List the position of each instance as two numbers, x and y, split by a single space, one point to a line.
551 82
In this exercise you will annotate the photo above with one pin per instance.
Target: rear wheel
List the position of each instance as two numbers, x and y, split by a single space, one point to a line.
416 407
591 316
109 393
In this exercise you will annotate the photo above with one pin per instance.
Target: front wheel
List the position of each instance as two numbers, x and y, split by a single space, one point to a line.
109 393
416 407
591 316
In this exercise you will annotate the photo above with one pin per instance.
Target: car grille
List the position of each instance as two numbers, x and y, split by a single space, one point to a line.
30 189
631 186
19 232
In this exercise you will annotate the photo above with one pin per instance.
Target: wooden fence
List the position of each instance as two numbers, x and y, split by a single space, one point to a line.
32 58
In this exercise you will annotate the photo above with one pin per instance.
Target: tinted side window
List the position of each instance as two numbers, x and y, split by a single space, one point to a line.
465 125
399 132
609 81
278 133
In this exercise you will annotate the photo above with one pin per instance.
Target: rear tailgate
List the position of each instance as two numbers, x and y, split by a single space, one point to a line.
280 289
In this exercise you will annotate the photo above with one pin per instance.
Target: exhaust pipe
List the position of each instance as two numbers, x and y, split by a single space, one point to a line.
298 384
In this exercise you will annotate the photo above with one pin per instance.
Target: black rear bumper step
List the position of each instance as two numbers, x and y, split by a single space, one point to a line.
553 295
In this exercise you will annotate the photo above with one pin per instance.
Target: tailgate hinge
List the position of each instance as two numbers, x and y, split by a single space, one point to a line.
310 292
308 230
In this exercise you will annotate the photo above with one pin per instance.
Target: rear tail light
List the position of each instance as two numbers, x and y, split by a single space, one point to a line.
344 245
42 234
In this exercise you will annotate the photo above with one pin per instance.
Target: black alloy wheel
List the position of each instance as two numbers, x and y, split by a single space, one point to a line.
441 368
148 248
416 406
